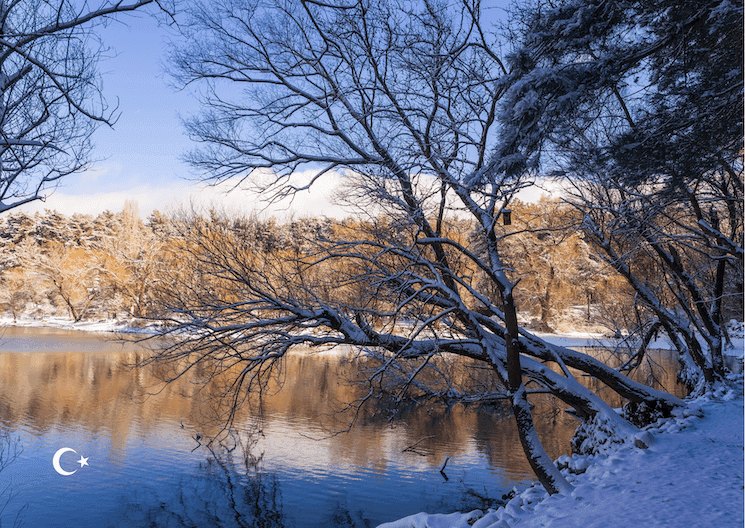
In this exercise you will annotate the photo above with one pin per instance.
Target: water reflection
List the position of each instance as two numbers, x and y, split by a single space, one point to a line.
60 389
228 493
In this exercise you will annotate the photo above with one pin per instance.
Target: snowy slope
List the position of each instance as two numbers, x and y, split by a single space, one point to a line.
690 476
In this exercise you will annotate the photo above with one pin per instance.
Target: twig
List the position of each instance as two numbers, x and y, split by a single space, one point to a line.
442 469
197 437
412 447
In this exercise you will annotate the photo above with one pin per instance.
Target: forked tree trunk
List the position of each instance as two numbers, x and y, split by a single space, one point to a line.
544 468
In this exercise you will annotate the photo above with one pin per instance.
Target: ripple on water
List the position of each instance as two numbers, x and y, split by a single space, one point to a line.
143 470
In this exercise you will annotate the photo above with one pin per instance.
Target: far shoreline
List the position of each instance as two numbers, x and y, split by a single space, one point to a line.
104 326
143 327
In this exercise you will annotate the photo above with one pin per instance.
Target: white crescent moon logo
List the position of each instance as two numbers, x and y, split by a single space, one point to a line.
55 462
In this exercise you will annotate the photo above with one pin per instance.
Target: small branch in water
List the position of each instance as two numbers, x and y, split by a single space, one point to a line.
442 469
413 447
197 437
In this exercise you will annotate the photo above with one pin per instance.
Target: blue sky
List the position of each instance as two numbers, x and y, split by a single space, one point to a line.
139 156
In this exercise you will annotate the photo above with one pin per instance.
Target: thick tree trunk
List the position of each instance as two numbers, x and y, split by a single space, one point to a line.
717 343
545 302
544 468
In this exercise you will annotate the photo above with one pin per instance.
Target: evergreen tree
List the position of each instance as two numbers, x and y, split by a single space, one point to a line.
54 227
82 229
643 89
640 106
158 223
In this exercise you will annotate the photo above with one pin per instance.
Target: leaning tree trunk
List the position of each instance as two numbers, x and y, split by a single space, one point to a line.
544 468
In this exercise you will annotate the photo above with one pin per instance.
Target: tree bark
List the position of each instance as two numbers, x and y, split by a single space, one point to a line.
544 468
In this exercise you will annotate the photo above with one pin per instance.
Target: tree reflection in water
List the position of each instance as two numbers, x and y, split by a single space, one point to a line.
10 449
71 388
231 489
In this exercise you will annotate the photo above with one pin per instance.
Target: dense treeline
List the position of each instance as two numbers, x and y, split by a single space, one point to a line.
113 266
110 266
81 266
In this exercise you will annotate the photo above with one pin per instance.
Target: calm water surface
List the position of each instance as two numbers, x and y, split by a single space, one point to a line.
146 467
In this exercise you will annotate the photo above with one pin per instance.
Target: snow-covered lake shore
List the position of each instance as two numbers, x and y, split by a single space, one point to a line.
587 339
63 323
567 339
691 475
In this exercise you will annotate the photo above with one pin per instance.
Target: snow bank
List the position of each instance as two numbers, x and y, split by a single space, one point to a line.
441 520
133 326
735 329
684 471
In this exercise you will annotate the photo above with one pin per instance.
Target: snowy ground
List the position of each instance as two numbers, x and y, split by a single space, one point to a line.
570 338
690 476
64 323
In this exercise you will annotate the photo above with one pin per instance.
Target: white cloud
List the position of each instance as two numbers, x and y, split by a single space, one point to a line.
318 201
314 202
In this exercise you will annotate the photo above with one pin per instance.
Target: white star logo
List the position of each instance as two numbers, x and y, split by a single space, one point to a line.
83 461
